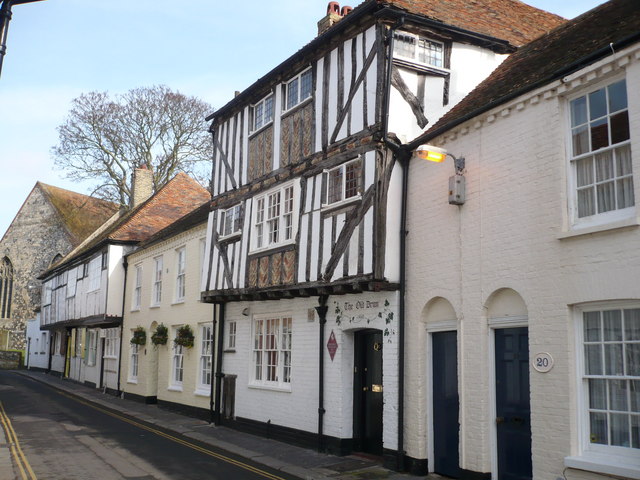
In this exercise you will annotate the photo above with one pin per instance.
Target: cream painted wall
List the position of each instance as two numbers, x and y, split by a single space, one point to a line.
156 360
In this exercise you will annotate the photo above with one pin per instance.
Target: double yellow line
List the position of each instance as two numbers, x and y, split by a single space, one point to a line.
26 473
160 433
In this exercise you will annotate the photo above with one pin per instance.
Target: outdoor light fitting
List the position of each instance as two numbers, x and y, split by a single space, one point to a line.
437 155
457 189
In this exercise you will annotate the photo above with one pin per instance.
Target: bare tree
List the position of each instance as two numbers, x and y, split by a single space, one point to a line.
105 140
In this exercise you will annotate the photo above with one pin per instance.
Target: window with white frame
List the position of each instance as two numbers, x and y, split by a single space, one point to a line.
610 379
92 346
601 163
177 366
156 295
274 217
181 260
343 182
418 49
95 273
230 221
111 340
137 289
43 342
133 363
299 89
262 113
231 335
272 351
206 349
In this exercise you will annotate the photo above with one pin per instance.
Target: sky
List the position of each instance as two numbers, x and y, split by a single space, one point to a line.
60 49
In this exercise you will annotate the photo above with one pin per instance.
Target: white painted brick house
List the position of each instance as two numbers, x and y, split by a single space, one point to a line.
303 241
524 302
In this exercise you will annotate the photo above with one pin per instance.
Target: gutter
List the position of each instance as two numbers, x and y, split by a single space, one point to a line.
217 414
564 71
125 264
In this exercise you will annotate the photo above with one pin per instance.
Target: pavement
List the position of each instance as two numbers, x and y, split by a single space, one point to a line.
301 462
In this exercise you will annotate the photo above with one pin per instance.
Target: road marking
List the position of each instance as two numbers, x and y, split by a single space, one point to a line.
206 451
23 464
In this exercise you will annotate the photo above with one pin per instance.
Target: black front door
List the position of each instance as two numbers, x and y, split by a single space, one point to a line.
445 404
513 413
367 408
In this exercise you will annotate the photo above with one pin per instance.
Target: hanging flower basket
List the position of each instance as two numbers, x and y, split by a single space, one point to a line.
139 336
160 336
184 336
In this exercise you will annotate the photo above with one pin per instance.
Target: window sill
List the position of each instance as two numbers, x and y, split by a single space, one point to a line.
274 246
327 207
201 392
133 382
616 225
262 128
618 466
274 388
297 106
229 350
178 302
154 306
136 309
230 237
175 388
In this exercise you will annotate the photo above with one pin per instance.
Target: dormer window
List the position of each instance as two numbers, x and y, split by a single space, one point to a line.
262 113
298 89
418 49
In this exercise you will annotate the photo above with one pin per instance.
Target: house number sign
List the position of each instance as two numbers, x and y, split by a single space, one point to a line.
542 362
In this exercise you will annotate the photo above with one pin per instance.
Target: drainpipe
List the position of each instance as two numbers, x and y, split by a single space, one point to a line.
28 352
322 315
217 416
403 157
52 346
125 265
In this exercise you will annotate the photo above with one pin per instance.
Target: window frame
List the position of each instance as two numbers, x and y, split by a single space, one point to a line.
181 274
616 214
205 362
156 282
94 274
262 106
600 457
343 168
136 301
235 213
134 362
415 57
269 219
262 372
92 346
232 330
297 80
177 365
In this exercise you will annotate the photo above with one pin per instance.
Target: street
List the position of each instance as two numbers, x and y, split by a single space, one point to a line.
57 436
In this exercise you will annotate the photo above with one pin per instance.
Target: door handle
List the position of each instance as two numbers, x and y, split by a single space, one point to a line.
499 420
365 389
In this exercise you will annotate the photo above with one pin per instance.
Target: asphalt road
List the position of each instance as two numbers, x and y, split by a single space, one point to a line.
64 437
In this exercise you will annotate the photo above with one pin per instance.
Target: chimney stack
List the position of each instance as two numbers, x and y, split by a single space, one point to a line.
334 15
141 185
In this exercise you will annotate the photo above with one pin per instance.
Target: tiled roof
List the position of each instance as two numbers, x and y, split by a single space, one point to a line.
80 214
576 44
510 20
175 199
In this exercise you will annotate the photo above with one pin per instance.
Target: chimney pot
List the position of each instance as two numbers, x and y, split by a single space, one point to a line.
346 10
333 7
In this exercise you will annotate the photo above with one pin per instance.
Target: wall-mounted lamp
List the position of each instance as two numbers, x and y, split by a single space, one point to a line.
457 190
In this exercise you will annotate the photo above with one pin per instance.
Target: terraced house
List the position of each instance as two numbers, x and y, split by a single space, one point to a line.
83 293
305 243
524 319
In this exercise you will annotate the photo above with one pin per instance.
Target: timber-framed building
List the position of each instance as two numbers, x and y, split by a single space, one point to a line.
305 235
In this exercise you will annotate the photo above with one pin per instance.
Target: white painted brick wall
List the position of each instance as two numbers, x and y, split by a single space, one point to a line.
509 234
299 408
